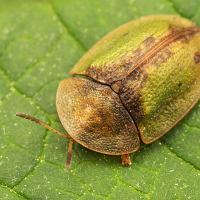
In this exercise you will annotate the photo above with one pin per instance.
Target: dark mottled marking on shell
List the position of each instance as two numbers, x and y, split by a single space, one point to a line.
130 94
161 57
117 70
150 51
197 57
182 34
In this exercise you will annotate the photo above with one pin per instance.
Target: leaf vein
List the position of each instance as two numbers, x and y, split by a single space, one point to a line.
14 191
71 33
196 168
38 161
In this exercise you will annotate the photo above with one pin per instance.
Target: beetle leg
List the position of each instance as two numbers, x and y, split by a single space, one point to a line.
126 160
69 154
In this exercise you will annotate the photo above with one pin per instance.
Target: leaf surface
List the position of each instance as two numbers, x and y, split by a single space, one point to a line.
39 43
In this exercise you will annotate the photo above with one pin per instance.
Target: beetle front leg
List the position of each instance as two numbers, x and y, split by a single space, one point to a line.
69 154
126 160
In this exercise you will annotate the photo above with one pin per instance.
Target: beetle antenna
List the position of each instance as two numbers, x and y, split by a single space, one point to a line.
43 124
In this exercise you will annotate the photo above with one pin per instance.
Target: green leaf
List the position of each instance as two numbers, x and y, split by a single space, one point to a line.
39 42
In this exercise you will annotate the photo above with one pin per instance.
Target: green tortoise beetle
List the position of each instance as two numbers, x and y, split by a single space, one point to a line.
132 86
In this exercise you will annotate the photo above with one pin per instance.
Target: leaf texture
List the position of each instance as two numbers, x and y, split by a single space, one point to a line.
39 43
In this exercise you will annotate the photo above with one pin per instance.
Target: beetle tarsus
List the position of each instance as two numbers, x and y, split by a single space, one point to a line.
126 160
